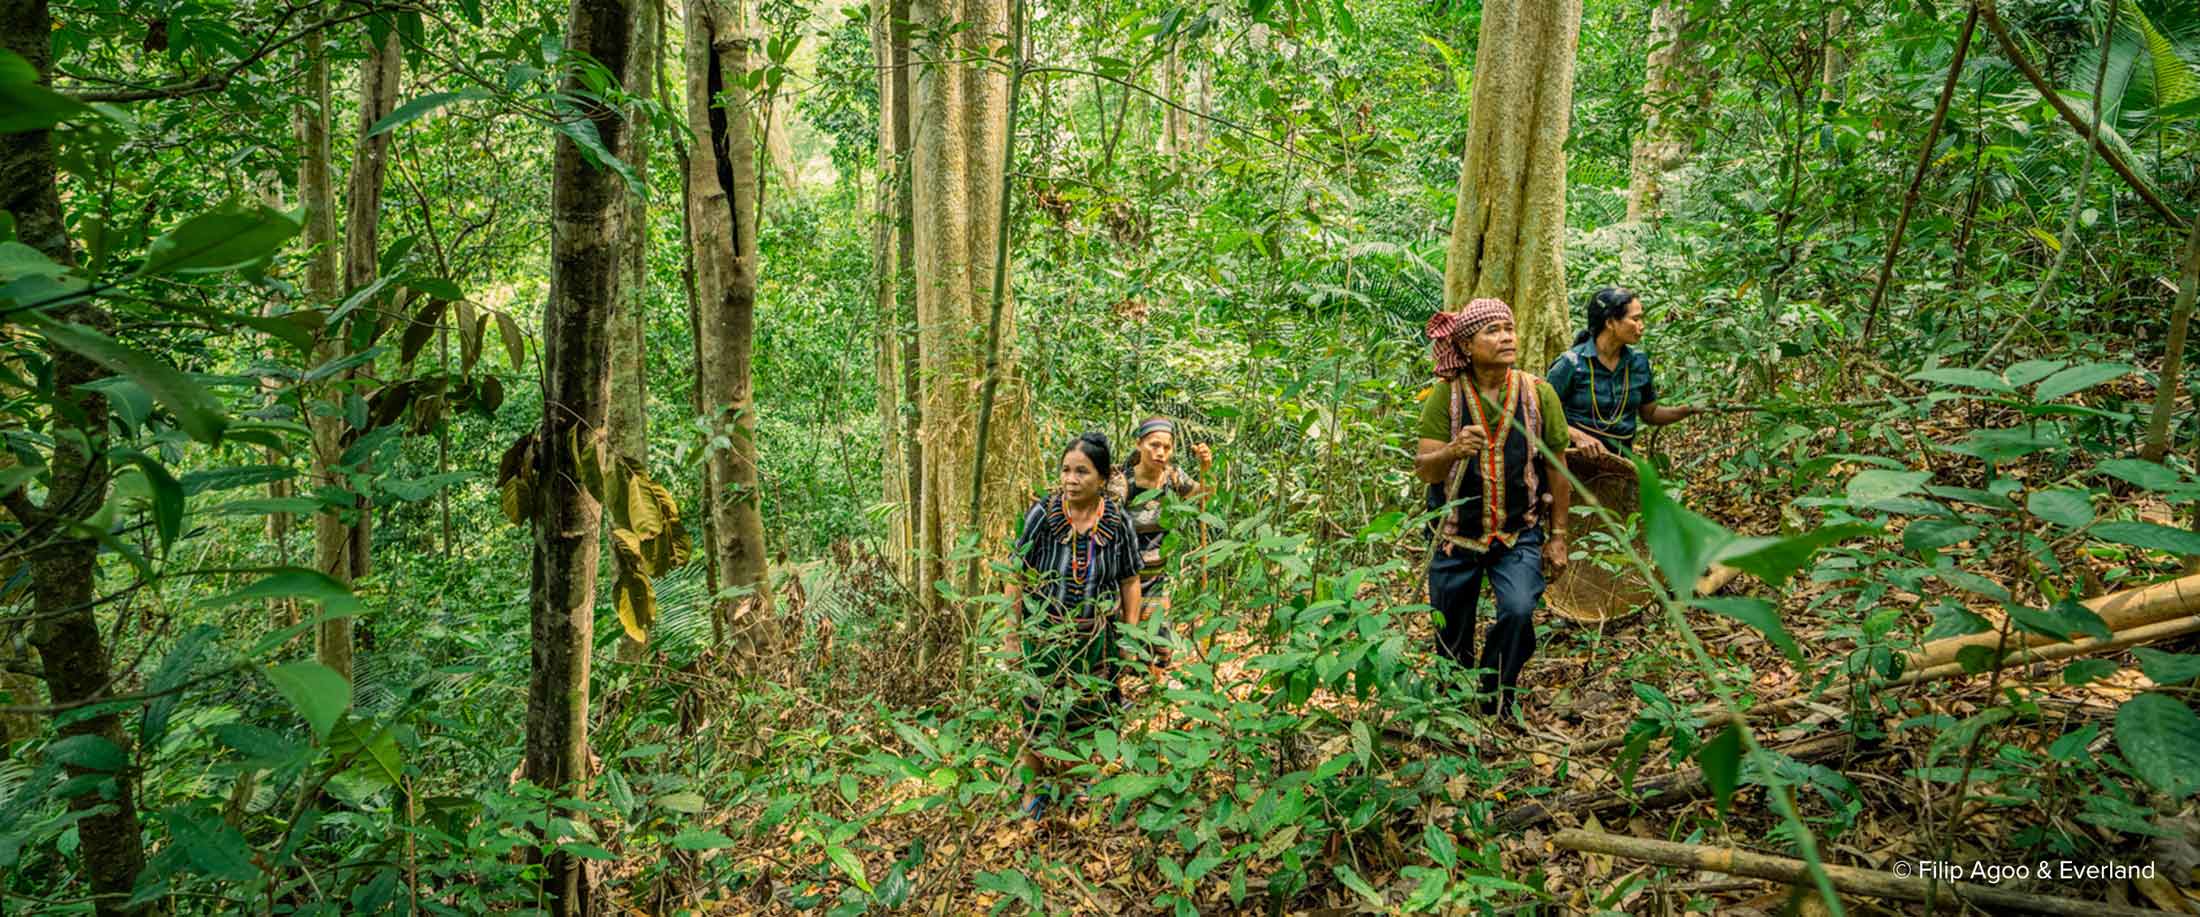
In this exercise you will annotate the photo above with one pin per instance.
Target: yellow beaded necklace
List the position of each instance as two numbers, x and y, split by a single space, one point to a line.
1627 376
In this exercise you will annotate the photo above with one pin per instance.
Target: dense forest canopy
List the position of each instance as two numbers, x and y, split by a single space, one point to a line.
611 456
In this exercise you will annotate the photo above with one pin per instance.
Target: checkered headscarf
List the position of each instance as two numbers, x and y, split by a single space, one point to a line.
1463 325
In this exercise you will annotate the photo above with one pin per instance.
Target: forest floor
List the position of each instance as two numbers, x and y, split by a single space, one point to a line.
1583 701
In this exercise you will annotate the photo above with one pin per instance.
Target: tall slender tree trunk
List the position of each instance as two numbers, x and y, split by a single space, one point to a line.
1174 122
72 653
629 417
2172 380
959 119
340 545
1508 234
886 269
1673 89
585 238
921 541
1833 68
722 202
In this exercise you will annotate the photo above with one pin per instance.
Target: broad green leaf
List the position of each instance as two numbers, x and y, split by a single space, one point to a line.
848 863
2160 736
320 694
2167 668
219 241
27 106
1681 541
1129 786
1934 534
196 410
2068 508
415 108
1351 879
89 752
2067 620
1876 484
2141 473
174 670
295 582
2088 671
582 132
1441 848
1721 760
18 261
2150 535
2030 371
700 839
372 752
1775 559
685 803
2077 379
167 496
1756 613
1968 378
212 847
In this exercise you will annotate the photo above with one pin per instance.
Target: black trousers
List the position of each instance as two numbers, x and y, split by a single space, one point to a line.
1515 578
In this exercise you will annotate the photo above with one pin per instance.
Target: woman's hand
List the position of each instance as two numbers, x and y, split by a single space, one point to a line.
1468 442
1554 554
1586 443
1205 455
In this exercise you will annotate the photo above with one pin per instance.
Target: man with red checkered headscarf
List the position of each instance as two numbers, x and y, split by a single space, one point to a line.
1503 511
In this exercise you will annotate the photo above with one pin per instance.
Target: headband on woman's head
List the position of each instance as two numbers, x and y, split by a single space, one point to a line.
1464 325
1153 425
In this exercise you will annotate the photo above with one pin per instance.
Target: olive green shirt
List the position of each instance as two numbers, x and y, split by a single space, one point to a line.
1436 414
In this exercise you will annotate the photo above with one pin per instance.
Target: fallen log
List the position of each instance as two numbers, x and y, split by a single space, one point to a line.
2121 611
1868 882
1661 791
2125 639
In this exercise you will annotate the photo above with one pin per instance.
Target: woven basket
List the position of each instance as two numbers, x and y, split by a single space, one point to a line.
1588 593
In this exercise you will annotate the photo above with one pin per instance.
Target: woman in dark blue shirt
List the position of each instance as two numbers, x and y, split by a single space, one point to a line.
1604 380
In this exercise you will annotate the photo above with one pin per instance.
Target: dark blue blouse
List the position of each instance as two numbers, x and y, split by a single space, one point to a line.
1604 403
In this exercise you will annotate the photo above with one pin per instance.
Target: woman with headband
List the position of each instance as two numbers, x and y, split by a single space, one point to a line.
1604 379
1149 470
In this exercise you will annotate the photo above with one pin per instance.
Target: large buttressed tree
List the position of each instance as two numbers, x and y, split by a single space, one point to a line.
722 215
959 112
1508 233
585 242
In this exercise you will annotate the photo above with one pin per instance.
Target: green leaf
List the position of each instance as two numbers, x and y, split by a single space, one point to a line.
700 839
295 582
1976 658
89 752
1934 534
2077 379
1441 848
2030 371
167 497
2167 668
1129 786
1873 485
1681 542
2067 620
1775 559
219 241
1352 880
1756 613
372 752
2160 736
212 847
685 803
1968 378
2068 508
848 863
175 669
2140 473
2151 536
412 110
582 132
196 410
320 694
27 106
1721 760
18 261
2088 671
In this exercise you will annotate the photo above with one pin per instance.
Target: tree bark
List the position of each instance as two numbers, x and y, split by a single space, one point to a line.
341 547
1833 69
914 533
885 277
72 653
958 112
585 238
1663 145
2172 379
629 413
1508 235
722 216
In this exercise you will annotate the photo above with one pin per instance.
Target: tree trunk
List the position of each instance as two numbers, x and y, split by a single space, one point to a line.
722 199
72 654
1173 119
959 112
905 291
1833 70
1508 235
341 546
2171 383
629 413
886 270
585 237
1670 81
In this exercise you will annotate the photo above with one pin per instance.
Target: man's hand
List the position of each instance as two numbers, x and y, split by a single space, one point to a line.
1468 442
